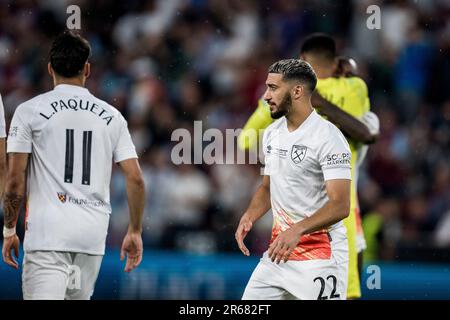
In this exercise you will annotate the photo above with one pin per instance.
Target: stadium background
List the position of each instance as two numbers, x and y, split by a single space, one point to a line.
166 63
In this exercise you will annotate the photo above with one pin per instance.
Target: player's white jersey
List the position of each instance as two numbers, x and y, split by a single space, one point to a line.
73 137
2 119
299 163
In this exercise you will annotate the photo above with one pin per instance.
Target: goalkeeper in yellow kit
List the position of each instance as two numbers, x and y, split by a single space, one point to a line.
343 99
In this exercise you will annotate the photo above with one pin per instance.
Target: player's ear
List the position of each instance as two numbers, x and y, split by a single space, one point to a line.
87 69
298 91
50 69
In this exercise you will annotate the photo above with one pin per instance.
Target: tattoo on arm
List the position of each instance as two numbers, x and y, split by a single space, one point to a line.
11 206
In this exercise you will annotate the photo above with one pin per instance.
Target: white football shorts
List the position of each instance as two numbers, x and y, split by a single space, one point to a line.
51 275
318 279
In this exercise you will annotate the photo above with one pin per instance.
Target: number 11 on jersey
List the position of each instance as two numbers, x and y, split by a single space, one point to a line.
69 163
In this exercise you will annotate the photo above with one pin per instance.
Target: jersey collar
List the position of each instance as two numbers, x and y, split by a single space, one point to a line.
71 88
310 119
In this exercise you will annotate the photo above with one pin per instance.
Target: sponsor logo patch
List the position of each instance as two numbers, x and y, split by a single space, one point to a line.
62 197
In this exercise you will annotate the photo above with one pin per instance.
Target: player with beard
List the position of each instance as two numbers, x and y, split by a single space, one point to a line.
307 185
342 98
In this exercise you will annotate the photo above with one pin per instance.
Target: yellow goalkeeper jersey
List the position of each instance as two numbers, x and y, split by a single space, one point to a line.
351 95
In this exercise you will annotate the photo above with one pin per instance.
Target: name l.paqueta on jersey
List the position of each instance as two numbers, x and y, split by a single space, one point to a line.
77 105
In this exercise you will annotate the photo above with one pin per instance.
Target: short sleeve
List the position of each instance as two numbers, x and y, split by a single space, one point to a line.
335 156
2 120
124 148
20 137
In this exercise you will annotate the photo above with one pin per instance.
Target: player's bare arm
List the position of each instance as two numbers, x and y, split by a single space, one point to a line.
336 209
350 125
2 165
259 206
13 197
132 244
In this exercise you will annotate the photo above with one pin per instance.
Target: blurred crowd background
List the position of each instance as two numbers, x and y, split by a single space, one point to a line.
166 63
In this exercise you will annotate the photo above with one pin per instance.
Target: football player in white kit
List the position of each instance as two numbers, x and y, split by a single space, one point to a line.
306 183
68 139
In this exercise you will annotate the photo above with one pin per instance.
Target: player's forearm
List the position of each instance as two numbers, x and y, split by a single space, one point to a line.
13 197
2 178
260 204
332 212
136 202
2 166
350 125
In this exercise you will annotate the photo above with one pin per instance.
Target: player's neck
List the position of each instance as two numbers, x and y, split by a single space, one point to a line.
323 68
298 116
70 81
323 72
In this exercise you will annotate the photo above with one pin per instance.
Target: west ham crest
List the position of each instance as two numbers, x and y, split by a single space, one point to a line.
298 153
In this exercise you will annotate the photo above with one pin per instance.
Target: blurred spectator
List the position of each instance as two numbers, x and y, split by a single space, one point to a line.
412 72
398 18
188 192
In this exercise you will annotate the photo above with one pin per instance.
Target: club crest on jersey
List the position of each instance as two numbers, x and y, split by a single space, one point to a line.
298 153
62 197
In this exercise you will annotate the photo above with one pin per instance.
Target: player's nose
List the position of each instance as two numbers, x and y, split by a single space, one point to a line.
267 96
